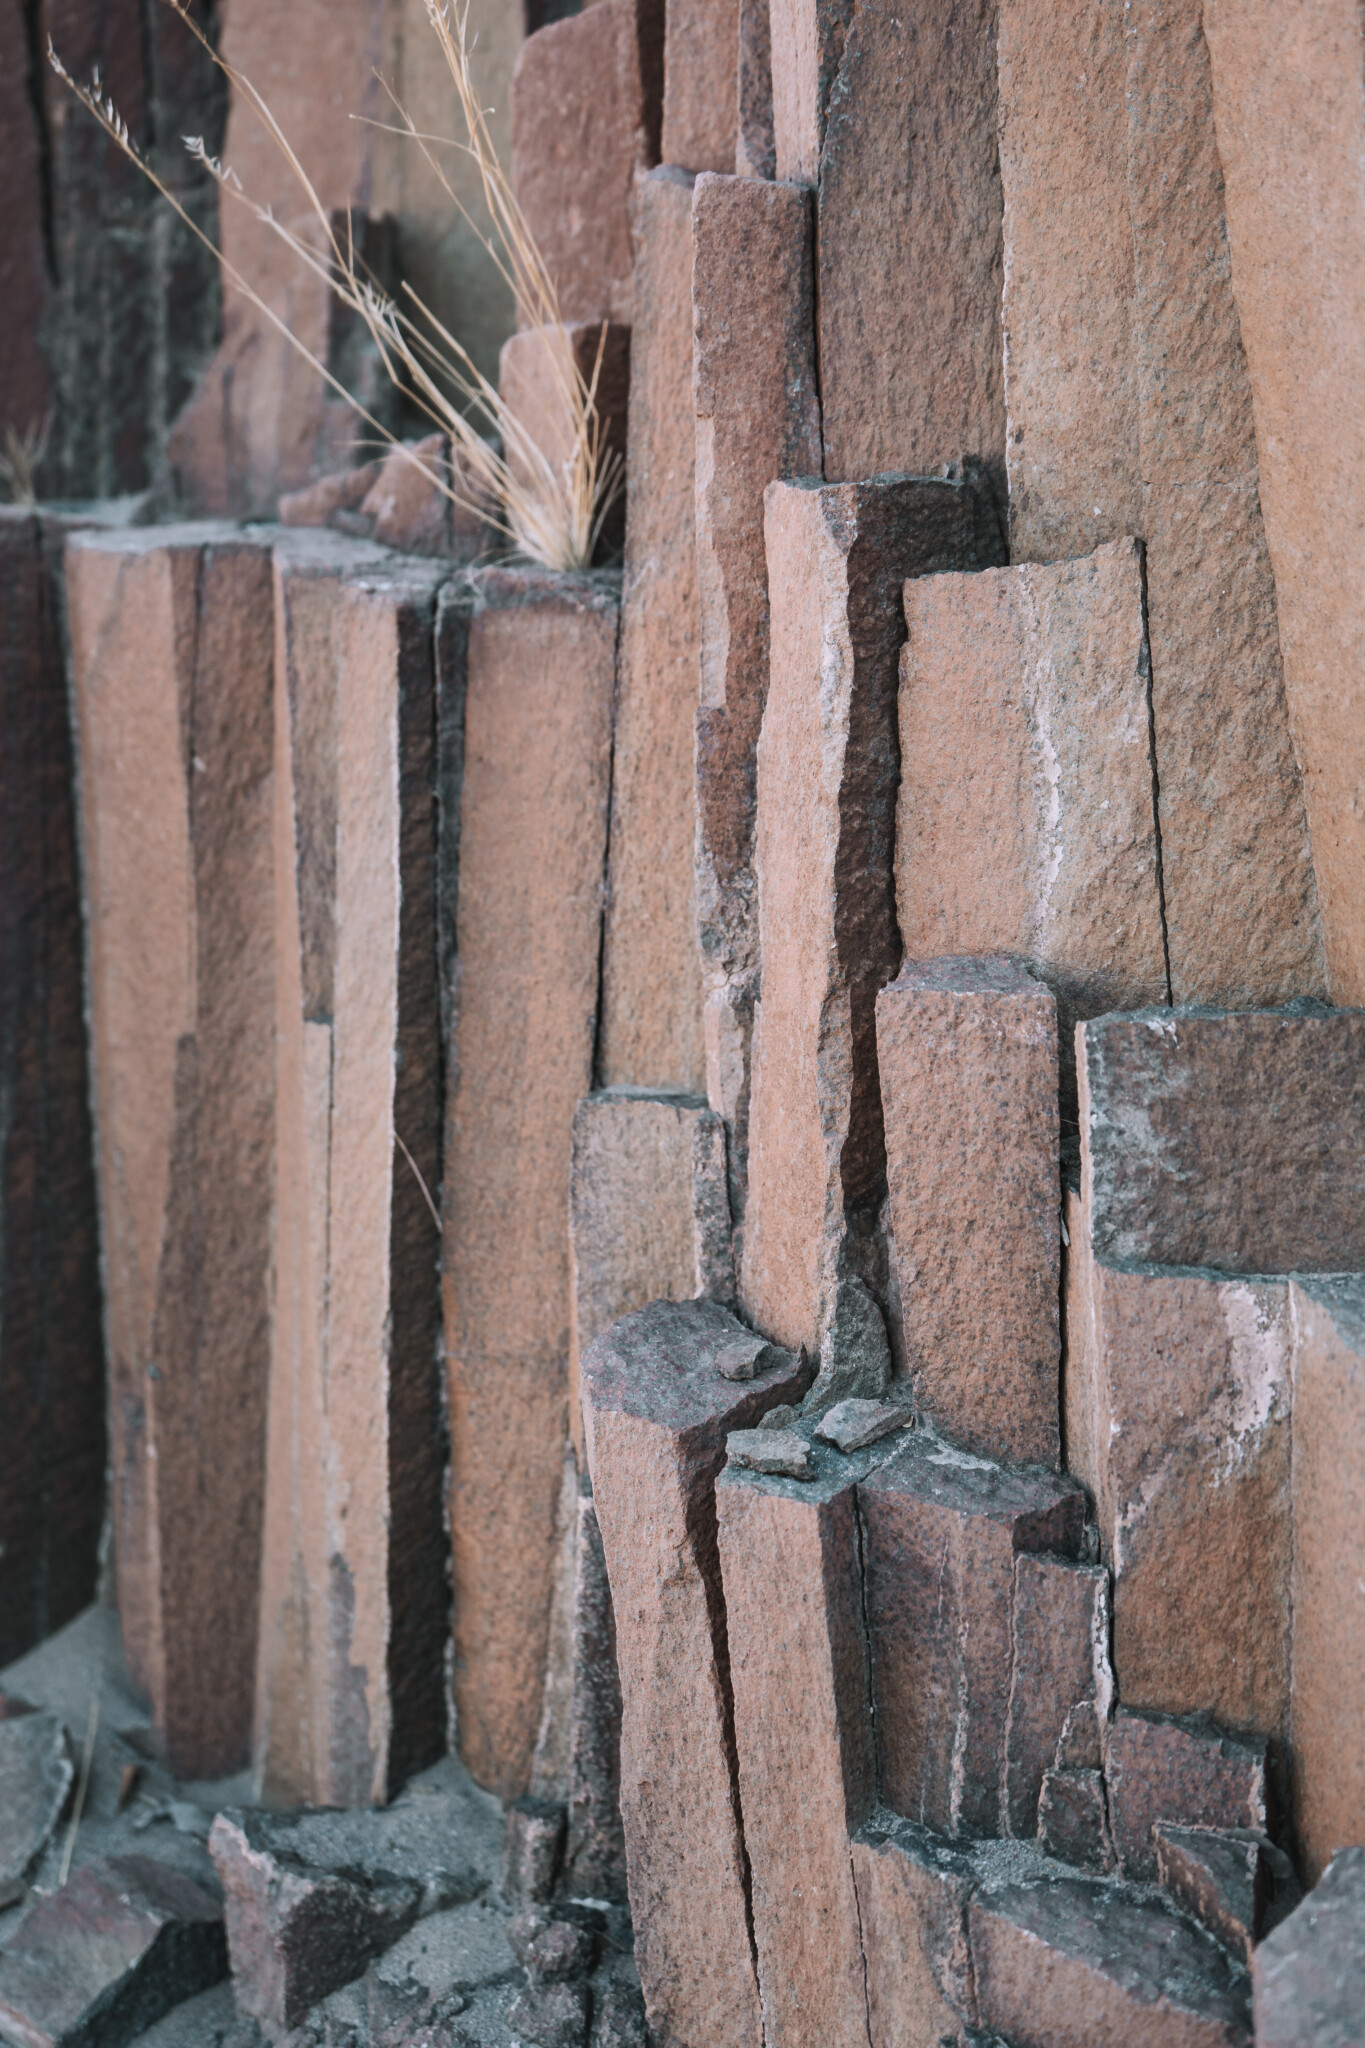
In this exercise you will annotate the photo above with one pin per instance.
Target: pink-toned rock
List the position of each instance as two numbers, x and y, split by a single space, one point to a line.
1073 1819
1158 1769
656 1414
651 972
701 84
1060 1664
586 107
527 683
807 41
316 504
967 1052
404 505
171 634
755 152
911 350
1328 1318
535 382
913 1889
758 417
827 759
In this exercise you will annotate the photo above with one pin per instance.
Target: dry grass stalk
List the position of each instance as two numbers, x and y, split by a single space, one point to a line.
552 514
21 457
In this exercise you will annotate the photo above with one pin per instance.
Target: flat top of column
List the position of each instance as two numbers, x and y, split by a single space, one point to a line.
508 586
925 1468
969 974
659 1364
192 533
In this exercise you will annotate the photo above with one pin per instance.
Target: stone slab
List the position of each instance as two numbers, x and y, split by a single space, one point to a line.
37 1777
1234 1880
701 84
1189 1772
1073 1820
1307 1976
1060 1663
913 1889
967 1053
807 41
656 1414
526 681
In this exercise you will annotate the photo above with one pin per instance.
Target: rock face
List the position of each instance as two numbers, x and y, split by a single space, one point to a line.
1233 1879
913 1889
967 1052
353 1624
807 43
1306 1975
36 1781
701 84
535 380
1059 1677
1184 1772
837 557
526 684
651 979
171 665
755 154
656 1413
52 1446
595 1849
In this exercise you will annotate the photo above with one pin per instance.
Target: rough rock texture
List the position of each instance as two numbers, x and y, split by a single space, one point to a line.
52 1445
941 1530
912 1890
656 1414
1306 1976
1060 1664
1073 1819
1234 1141
967 1052
758 416
807 41
526 689
1328 1318
651 980
1233 1879
535 380
36 1781
107 1955
23 257
1290 126
595 1849
353 1625
586 106
1130 413
755 153
827 763
1041 839
911 353
1183 1771
701 84
532 1849
171 665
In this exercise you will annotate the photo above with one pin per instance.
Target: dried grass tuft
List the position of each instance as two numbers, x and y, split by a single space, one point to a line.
21 457
549 513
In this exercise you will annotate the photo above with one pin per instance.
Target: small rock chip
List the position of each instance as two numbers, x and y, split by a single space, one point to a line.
781 1417
851 1425
745 1357
779 1451
551 1943
552 2015
35 1784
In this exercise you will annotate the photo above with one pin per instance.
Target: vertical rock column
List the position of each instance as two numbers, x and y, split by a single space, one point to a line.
171 660
350 1692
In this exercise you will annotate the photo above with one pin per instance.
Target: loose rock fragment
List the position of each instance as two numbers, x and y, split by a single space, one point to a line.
532 1848
1234 1880
780 1451
1187 1771
852 1424
552 2015
741 1360
36 1777
1308 1975
553 1942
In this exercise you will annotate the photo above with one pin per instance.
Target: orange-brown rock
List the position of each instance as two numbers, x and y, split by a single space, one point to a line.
807 41
911 349
171 665
1328 1317
701 84
656 1413
827 762
1290 127
913 1889
526 688
535 382
1159 1769
967 1053
586 108
758 417
1059 1677
651 973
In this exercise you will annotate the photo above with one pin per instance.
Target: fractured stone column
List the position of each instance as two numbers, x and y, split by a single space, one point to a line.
171 665
701 84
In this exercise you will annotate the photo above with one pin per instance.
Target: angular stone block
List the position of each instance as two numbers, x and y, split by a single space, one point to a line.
107 1955
1234 1141
651 977
535 381
911 348
37 1777
827 766
1060 1663
1306 1976
967 1052
52 1447
1188 1772
1233 1879
171 665
350 1676
1328 1681
1025 821
941 1534
586 107
595 1849
701 84
755 152
807 41
913 1890
758 417
656 1414
527 677
1073 1820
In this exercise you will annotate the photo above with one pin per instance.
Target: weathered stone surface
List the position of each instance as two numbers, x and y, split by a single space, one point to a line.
781 1451
1289 129
318 504
171 635
755 152
36 1781
827 764
967 1052
1060 1661
550 1943
911 349
620 2015
1074 1963
1041 841
912 1902
536 381
807 41
758 417
1235 1141
656 1414
1188 1772
532 1849
586 107
405 508
111 1952
941 1533
552 2015
527 681
1234 1880
595 1850
52 1445
1328 1681
799 1666
853 1425
1073 1820
701 84
1307 1976
651 975
746 1356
